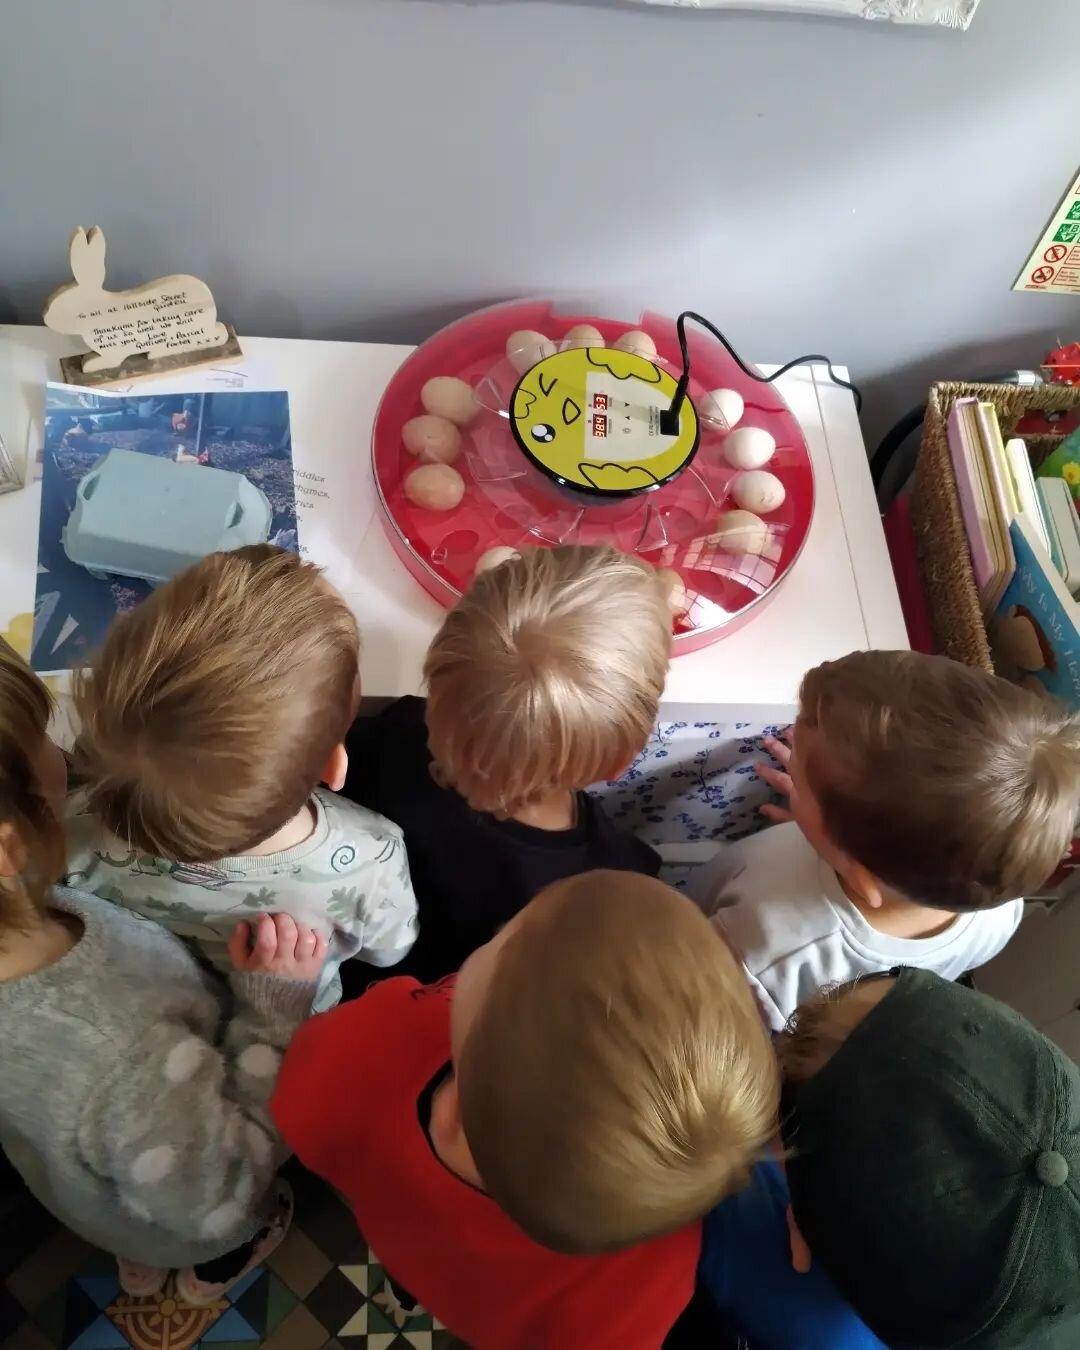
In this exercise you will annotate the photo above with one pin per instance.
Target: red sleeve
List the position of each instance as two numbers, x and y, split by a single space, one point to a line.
661 1276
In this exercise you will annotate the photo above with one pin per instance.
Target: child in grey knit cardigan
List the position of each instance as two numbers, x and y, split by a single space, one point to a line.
132 1107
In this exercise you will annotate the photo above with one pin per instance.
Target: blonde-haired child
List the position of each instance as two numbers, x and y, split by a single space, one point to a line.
544 678
552 1123
924 799
210 718
133 1107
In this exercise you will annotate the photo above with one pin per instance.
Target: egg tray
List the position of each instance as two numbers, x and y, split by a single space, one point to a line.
509 503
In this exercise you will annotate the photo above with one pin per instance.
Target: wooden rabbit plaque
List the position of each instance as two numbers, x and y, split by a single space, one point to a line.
164 326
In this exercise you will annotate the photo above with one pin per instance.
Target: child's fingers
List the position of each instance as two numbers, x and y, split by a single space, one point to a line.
306 942
779 815
777 779
287 934
779 751
321 946
240 944
801 1259
265 943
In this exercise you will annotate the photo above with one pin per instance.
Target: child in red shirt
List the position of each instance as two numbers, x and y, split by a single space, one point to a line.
528 1146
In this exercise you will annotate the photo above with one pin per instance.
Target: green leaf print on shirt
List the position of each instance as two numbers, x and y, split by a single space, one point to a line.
264 899
343 904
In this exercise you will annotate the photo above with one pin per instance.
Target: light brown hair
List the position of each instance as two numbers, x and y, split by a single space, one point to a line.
212 708
617 1079
951 786
24 718
817 1029
546 675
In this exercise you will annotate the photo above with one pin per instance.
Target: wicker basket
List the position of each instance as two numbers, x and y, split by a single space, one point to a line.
944 559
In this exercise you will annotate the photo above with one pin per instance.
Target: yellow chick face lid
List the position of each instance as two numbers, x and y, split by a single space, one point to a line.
589 419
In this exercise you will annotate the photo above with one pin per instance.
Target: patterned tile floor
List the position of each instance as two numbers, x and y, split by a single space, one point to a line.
319 1291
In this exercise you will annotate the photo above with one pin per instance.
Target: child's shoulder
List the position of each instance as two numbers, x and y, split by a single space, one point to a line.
368 830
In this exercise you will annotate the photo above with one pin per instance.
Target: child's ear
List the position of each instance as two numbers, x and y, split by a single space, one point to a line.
335 769
866 884
12 852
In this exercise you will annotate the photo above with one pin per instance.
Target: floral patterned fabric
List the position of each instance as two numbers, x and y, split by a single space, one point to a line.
693 783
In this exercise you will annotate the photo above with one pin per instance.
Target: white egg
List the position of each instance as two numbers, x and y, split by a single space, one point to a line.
749 448
723 406
435 487
526 347
582 335
432 439
741 532
446 396
674 589
638 342
494 557
758 490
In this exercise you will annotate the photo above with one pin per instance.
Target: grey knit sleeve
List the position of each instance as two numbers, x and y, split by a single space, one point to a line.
181 1128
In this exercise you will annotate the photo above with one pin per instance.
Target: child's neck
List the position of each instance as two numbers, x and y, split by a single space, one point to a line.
448 1141
896 916
555 811
39 942
295 831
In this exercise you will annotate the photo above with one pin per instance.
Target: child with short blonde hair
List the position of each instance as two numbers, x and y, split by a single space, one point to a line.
926 798
210 717
598 1070
134 1100
544 678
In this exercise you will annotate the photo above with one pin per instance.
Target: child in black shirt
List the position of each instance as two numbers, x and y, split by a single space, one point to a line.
544 678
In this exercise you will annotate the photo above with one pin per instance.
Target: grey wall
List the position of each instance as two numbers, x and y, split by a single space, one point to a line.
371 168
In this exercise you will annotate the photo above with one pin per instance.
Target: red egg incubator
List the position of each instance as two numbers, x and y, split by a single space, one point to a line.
524 426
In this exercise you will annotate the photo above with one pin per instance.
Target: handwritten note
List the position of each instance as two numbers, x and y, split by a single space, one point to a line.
172 321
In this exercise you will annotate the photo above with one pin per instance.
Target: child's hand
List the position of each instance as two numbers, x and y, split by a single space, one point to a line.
278 946
778 779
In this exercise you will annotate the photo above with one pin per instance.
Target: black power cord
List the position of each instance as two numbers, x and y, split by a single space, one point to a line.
669 419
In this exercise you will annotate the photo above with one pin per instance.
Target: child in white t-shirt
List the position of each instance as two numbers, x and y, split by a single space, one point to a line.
924 799
211 715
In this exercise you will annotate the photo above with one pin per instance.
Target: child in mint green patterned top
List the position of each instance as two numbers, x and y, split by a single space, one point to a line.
211 715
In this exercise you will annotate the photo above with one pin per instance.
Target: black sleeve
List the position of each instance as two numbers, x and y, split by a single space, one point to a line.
388 759
610 846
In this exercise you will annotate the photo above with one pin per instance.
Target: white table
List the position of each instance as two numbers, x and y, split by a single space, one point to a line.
839 596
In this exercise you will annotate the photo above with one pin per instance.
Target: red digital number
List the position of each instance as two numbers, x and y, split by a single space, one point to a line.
599 426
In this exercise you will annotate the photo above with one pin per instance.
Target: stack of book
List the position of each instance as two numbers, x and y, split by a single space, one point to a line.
1024 537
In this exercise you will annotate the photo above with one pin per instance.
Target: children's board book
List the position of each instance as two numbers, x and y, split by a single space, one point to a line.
1018 464
1064 462
983 503
1063 526
1035 631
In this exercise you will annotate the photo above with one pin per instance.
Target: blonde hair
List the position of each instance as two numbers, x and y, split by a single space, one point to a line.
212 708
24 718
617 1080
953 787
546 675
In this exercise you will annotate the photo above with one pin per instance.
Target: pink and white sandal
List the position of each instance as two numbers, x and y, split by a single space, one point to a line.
138 1280
200 1293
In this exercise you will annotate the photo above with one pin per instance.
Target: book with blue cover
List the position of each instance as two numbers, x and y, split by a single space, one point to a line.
1035 630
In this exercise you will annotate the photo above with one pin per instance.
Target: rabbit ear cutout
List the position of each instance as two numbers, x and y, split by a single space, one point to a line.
88 257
